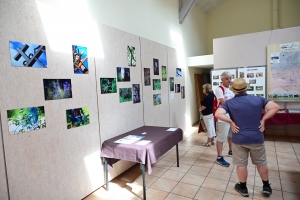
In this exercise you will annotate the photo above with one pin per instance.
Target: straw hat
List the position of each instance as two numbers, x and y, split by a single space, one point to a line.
239 85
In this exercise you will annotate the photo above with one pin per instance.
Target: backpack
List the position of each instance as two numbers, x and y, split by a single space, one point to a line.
216 104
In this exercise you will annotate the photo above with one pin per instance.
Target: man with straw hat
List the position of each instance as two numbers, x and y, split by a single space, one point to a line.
247 127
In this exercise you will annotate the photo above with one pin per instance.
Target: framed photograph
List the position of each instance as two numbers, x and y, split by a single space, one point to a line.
108 85
131 56
155 66
57 89
77 117
80 60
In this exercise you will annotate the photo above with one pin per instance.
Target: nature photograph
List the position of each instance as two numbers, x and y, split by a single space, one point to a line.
164 73
131 56
156 99
123 74
108 85
77 117
156 84
125 94
171 84
147 80
57 89
80 60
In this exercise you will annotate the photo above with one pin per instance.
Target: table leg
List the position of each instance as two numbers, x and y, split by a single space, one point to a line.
144 182
177 155
106 174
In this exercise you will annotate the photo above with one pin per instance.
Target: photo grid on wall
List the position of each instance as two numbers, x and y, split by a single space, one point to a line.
216 77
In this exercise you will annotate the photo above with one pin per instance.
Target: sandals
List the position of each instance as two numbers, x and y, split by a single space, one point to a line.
206 144
212 143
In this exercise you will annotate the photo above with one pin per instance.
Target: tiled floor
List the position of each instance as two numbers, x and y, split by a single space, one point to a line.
199 177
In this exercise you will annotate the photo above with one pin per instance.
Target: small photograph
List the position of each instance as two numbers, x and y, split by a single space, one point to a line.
57 89
136 93
123 74
250 75
178 72
27 55
77 117
296 96
156 99
280 96
242 75
177 88
259 74
259 88
285 96
164 73
80 60
250 94
26 119
291 96
232 76
156 84
260 95
171 84
251 88
125 94
270 96
252 81
131 56
147 76
215 76
108 85
155 66
182 92
215 83
275 96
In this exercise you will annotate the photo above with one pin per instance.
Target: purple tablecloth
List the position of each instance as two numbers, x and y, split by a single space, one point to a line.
161 141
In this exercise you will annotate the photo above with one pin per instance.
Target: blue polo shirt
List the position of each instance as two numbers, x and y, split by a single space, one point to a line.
245 111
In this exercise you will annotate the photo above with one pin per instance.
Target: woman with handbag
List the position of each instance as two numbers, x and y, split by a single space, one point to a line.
207 111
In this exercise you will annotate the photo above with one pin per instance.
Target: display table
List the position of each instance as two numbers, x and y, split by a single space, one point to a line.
161 142
283 118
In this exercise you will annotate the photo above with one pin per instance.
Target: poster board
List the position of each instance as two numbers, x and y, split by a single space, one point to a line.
283 70
216 77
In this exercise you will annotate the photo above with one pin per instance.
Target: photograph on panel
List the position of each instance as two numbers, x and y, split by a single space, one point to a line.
178 72
259 88
259 74
155 66
232 77
285 96
177 88
27 55
125 94
242 75
136 93
156 99
78 117
156 84
215 83
164 73
250 75
252 81
131 56
80 59
108 85
260 95
123 74
171 84
216 77
147 80
182 92
26 119
57 89
251 88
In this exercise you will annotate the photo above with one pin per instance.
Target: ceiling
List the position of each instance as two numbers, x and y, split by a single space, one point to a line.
207 6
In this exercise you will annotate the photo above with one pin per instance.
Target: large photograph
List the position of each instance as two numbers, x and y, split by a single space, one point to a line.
77 117
131 56
57 89
26 119
80 60
27 55
108 85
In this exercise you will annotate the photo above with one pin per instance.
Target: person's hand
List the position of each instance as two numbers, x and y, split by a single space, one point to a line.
234 127
262 126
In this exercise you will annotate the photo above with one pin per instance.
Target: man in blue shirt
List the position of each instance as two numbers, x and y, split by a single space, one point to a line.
247 127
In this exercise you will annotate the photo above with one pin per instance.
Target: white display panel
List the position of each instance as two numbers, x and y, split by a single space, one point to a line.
216 77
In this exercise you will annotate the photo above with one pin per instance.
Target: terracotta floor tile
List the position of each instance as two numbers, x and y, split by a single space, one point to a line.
118 197
187 160
290 177
100 194
199 149
207 194
215 184
116 185
131 190
177 197
192 154
290 187
181 168
273 166
149 180
170 158
219 167
158 171
154 194
231 189
286 155
276 195
289 168
275 183
273 174
180 152
270 153
207 156
237 196
163 163
173 175
290 196
192 179
204 163
186 190
234 178
183 148
128 176
164 184
284 161
219 174
203 171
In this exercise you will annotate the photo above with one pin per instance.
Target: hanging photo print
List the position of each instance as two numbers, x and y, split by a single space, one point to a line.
123 74
80 60
164 73
108 85
125 94
136 93
147 76
27 55
77 117
131 56
182 92
156 84
156 99
155 66
26 119
178 72
57 89
177 88
171 84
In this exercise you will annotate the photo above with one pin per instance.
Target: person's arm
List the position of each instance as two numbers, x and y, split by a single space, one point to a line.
271 109
221 114
202 108
222 100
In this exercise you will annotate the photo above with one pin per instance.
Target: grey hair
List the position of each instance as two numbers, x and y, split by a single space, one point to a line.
225 73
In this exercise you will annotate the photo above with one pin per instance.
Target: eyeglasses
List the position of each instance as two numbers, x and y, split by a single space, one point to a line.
229 78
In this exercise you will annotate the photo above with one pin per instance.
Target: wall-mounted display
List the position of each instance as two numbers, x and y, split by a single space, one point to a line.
156 99
171 84
147 80
80 60
108 85
57 89
27 55
156 84
123 74
178 72
131 56
216 77
182 92
26 119
78 117
177 88
125 94
136 93
155 66
164 73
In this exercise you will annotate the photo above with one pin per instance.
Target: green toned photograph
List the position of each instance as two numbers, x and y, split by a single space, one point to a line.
156 99
125 94
171 84
131 56
78 117
108 85
156 84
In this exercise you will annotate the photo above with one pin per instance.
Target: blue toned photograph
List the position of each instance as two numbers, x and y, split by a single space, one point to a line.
78 117
27 55
178 72
80 60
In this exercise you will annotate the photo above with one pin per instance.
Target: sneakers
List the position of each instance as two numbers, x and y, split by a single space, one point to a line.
229 153
267 190
222 162
243 192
